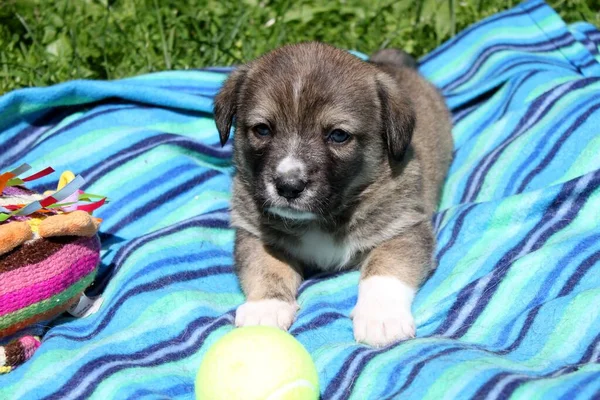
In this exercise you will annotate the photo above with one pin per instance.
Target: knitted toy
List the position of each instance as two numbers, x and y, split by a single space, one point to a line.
49 253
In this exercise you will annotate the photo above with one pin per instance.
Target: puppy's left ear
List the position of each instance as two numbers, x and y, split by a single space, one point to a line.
397 114
226 103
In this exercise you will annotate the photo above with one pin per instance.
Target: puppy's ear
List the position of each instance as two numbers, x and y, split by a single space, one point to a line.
226 103
397 114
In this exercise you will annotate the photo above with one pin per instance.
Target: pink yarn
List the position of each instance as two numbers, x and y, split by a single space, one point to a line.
43 290
56 264
30 345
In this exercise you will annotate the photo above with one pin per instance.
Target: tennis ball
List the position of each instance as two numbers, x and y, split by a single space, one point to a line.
257 362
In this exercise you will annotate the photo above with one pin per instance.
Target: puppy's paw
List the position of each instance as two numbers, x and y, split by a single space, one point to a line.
269 312
379 327
382 314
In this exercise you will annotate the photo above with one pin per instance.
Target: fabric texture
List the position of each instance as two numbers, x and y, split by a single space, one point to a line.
512 309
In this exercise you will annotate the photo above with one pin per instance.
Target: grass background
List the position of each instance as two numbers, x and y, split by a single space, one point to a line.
43 42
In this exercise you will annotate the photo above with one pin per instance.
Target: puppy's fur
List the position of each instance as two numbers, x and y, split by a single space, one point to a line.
364 203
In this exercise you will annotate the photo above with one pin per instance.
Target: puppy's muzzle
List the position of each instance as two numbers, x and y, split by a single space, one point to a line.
290 177
289 185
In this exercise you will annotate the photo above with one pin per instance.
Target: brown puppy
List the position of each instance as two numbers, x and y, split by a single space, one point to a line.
339 164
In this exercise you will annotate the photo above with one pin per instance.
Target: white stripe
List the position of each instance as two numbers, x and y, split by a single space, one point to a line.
351 374
495 393
596 354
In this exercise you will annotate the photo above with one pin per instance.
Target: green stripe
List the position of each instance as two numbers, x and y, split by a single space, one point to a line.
48 304
587 161
547 387
518 33
503 221
379 363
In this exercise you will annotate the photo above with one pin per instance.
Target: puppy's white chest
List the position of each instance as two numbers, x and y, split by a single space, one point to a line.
320 249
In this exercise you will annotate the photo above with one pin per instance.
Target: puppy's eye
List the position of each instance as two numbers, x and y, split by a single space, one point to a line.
338 136
262 130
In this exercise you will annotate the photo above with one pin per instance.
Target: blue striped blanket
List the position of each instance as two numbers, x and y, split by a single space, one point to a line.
512 310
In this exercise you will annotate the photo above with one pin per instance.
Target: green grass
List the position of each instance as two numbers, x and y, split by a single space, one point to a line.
43 42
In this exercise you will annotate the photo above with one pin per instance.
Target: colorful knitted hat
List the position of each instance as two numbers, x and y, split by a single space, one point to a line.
49 253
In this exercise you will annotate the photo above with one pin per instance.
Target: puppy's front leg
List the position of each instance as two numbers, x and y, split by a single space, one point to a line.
389 279
269 283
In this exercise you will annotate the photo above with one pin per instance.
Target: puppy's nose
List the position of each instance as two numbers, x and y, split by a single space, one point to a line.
289 187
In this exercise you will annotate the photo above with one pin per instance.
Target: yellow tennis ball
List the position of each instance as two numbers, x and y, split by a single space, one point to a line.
256 363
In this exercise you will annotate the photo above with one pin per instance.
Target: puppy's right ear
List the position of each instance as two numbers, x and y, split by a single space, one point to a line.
226 103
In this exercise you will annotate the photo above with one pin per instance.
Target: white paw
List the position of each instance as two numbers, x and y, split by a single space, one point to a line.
270 312
382 314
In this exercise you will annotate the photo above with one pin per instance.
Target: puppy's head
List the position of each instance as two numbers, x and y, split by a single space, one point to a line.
314 124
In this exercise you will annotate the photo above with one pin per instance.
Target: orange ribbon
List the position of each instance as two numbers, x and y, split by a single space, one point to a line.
4 178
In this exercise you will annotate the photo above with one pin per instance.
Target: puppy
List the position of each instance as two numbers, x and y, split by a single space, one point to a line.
339 164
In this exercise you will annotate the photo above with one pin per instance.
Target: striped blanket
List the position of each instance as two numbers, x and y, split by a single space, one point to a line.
512 310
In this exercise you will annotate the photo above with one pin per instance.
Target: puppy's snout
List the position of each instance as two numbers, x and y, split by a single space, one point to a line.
289 178
289 187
